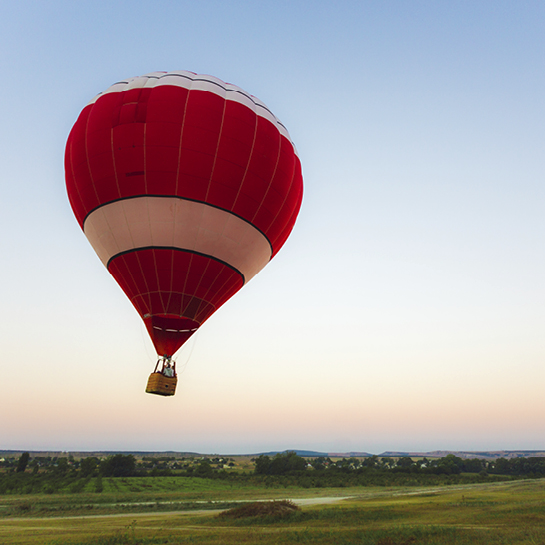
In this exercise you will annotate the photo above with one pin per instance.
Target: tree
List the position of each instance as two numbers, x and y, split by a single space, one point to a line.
23 461
118 465
449 465
204 469
404 464
387 462
474 465
262 465
281 464
295 462
503 466
371 461
88 466
62 466
318 463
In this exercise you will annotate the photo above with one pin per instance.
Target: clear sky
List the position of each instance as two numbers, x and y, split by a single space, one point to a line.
406 311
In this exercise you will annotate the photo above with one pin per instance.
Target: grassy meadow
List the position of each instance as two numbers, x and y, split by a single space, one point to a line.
142 510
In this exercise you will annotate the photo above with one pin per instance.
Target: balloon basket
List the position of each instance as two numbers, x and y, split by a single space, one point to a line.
160 385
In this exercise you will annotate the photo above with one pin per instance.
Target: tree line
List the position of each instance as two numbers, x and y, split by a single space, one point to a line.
27 475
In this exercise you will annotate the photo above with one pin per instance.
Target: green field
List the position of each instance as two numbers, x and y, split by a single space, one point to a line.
146 510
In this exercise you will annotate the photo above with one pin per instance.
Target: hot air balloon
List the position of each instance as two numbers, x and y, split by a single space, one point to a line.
186 187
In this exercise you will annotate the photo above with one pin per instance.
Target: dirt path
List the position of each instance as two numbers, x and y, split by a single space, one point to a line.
297 501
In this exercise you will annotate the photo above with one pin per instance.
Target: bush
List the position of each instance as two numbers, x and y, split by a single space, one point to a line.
276 509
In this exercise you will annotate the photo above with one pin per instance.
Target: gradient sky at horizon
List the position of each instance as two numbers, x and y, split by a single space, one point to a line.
406 311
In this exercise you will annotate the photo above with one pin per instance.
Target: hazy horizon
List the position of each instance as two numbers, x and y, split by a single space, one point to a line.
300 452
407 309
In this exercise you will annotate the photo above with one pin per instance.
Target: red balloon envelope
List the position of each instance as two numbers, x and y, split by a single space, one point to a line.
186 187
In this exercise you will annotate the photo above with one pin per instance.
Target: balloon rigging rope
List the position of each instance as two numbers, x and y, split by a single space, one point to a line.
153 357
145 342
193 342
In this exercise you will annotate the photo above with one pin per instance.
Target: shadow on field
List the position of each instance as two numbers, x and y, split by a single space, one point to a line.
274 509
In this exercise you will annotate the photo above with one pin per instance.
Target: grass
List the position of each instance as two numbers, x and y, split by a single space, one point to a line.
264 510
509 513
139 494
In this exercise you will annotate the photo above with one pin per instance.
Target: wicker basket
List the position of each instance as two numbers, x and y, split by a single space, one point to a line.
161 385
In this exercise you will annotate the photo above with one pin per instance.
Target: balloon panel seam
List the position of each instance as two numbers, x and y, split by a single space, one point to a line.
174 248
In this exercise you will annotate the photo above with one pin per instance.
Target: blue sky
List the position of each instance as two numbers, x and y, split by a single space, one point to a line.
406 311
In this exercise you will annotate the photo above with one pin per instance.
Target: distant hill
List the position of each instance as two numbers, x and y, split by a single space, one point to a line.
99 453
304 453
349 454
487 454
484 454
